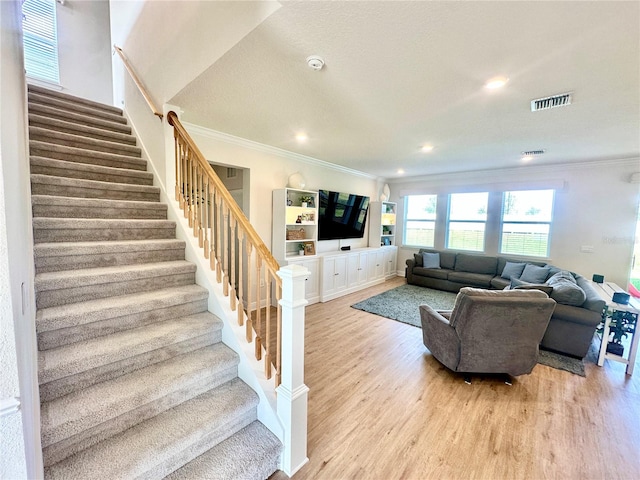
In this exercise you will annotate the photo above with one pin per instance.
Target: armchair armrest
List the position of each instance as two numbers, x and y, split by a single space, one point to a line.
439 336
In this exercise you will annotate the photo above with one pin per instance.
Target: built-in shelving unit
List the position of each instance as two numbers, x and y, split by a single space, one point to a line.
295 225
382 229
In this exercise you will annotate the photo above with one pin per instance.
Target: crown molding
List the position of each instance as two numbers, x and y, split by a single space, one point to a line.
490 173
261 147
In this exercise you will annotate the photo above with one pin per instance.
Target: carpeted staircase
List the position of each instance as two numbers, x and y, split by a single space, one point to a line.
134 379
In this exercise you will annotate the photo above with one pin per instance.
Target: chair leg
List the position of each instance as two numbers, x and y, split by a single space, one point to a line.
507 380
467 379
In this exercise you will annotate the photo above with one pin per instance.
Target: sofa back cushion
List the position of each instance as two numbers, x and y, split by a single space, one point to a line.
447 259
430 260
476 263
566 290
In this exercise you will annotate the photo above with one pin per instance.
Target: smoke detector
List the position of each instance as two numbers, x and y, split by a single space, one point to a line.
315 62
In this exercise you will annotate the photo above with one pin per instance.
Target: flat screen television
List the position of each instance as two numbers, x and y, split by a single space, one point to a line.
341 215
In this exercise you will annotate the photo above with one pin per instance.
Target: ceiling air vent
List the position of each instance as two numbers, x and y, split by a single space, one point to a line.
551 102
532 153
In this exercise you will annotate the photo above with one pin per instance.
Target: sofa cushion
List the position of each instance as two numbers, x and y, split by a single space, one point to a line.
447 259
534 273
440 273
476 264
516 284
469 278
499 283
512 269
565 289
431 260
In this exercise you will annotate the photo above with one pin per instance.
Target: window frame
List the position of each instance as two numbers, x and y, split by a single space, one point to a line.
40 41
406 220
467 221
549 224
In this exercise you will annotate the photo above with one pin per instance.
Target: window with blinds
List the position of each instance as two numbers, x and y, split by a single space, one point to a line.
40 40
526 222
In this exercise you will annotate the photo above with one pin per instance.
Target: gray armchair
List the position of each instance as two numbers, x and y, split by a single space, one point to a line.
488 331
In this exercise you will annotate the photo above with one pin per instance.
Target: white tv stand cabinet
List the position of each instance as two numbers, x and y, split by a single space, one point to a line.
348 271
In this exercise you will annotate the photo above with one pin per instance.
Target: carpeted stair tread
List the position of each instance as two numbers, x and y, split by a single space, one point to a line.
70 106
72 98
65 316
73 286
251 454
48 229
72 207
74 187
61 168
82 356
56 256
99 359
81 155
158 446
165 383
77 118
59 125
78 141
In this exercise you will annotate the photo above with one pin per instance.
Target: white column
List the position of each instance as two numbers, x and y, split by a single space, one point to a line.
292 392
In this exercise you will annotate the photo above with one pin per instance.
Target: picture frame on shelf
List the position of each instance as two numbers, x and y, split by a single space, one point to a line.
309 248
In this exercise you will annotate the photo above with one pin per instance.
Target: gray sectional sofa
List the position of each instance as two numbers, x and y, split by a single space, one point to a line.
578 308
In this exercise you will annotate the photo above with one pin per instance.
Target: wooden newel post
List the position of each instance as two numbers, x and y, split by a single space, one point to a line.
292 392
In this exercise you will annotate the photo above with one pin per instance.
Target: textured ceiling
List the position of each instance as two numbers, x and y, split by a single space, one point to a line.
402 74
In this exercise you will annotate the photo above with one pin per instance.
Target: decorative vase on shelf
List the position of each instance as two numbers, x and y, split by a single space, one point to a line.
304 204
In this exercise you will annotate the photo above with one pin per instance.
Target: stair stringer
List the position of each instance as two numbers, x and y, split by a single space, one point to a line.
250 370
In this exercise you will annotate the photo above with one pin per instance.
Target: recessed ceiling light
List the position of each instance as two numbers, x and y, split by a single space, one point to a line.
427 148
302 137
496 82
527 158
400 171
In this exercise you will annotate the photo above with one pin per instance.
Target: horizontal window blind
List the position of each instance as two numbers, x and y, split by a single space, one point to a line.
40 40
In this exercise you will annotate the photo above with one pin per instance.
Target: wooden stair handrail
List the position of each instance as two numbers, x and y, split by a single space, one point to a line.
138 83
238 214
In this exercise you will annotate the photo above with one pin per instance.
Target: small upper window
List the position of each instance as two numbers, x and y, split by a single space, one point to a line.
40 38
526 222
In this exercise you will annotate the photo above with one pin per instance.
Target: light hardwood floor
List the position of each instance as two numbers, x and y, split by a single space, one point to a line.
381 407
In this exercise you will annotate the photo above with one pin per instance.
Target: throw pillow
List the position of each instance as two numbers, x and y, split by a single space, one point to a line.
512 269
417 258
431 260
517 284
534 273
565 289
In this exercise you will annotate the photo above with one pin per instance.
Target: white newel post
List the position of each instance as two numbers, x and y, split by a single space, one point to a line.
292 392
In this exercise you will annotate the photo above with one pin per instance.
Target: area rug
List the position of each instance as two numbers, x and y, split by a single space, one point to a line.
402 304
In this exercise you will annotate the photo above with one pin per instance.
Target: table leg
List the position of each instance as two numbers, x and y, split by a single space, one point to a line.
634 348
605 340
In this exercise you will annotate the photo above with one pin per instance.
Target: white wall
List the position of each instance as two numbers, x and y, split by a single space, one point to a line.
20 433
595 205
84 49
269 169
167 62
